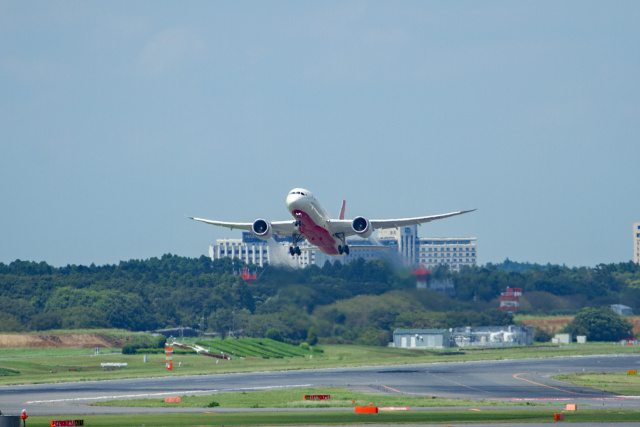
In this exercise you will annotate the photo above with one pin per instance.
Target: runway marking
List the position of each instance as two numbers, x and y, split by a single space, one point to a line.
543 385
457 383
442 378
572 399
404 392
560 399
183 392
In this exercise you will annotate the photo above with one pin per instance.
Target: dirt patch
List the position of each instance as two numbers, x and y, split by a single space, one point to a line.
58 340
555 324
549 324
635 321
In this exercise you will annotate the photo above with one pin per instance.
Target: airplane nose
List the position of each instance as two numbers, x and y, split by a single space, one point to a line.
292 200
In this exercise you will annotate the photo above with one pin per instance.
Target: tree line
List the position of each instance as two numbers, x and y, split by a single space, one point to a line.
361 302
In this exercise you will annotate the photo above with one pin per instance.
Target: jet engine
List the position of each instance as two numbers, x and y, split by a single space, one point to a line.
362 227
262 229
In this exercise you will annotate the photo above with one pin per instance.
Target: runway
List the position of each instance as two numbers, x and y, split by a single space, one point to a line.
503 380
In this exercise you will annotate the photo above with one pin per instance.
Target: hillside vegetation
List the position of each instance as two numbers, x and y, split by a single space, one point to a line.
361 302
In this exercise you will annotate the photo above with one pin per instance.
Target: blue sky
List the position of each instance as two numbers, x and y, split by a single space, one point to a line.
118 119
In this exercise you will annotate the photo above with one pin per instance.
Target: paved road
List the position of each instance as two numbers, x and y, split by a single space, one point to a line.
505 380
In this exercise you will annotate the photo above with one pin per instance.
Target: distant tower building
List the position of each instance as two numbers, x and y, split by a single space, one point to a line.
421 274
636 242
510 300
430 252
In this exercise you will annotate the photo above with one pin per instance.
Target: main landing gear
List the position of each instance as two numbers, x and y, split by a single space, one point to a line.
343 249
294 249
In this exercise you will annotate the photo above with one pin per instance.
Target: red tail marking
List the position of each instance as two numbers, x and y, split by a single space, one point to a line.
344 202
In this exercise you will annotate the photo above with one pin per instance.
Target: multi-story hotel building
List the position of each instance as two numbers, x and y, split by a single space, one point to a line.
404 245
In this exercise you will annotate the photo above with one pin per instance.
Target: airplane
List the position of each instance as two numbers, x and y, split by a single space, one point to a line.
313 223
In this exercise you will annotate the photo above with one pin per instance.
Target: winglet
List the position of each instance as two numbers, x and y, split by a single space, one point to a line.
344 202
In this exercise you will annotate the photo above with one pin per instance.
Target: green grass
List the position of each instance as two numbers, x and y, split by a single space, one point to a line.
6 372
40 366
10 353
614 382
253 347
212 418
340 398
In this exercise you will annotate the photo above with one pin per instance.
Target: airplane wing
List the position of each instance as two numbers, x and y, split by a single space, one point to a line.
403 222
345 225
280 228
285 228
231 225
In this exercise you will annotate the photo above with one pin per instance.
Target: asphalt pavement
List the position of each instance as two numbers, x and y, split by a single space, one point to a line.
503 380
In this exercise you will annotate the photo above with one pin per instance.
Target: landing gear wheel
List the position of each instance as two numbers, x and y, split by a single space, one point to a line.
292 251
346 249
298 251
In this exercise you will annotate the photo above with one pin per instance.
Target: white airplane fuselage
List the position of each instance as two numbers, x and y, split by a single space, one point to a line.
313 220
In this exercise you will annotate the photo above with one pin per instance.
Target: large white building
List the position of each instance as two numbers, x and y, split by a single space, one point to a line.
404 245
431 251
636 242
252 250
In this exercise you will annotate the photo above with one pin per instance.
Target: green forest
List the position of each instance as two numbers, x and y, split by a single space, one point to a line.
361 302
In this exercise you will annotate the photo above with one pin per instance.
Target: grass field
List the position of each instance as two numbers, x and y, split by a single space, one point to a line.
618 382
65 364
343 417
62 364
340 398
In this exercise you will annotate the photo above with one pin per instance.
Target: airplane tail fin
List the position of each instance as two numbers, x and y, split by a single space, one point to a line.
344 202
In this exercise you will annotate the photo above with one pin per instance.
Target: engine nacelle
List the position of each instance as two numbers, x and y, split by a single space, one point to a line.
262 229
362 227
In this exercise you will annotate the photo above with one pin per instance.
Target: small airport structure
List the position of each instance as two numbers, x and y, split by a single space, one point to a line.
469 336
622 310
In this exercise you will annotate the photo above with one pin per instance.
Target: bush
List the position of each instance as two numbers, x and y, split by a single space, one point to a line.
160 341
372 336
149 350
7 371
599 324
212 404
304 346
274 334
540 335
312 336
130 348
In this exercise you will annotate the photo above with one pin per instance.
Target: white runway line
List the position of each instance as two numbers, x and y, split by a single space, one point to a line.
182 393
